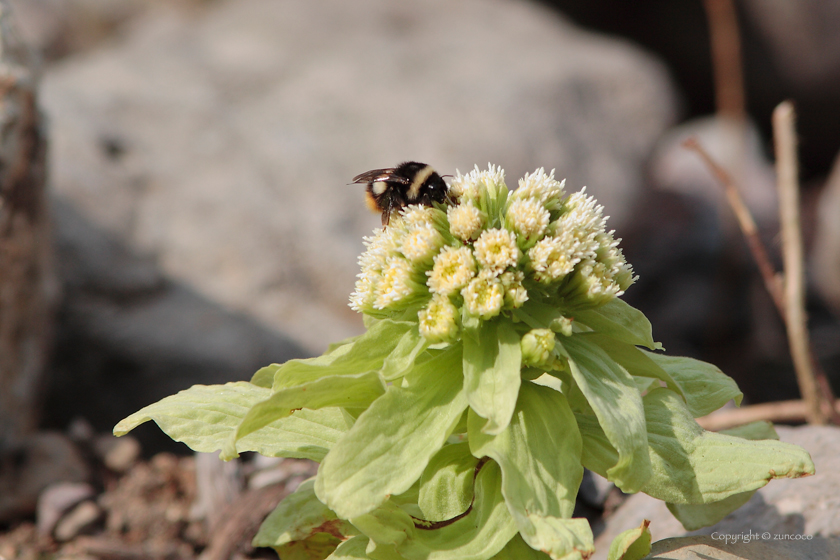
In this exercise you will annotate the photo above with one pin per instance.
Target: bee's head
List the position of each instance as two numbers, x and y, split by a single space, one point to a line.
437 188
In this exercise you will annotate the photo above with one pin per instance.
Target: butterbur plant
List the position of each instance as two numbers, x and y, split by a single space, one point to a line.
498 363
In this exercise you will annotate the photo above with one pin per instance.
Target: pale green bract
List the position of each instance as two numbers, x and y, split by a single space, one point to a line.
497 364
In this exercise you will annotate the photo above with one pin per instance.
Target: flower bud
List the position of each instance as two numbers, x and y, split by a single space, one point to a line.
484 296
439 320
496 250
465 221
538 349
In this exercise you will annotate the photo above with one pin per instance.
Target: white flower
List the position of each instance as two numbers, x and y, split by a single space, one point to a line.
569 253
384 244
395 284
541 187
477 183
583 219
364 296
484 296
496 250
452 270
465 221
421 243
528 218
438 320
552 258
417 215
592 285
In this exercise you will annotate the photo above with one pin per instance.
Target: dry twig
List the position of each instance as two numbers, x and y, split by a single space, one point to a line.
726 59
787 178
747 223
794 412
824 396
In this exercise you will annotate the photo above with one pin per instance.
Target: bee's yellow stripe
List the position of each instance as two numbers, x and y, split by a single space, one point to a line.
414 190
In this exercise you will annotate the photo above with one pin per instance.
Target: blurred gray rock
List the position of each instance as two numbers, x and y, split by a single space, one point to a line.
81 519
28 468
803 37
219 145
118 454
709 548
56 500
272 470
699 285
57 28
805 506
738 148
129 336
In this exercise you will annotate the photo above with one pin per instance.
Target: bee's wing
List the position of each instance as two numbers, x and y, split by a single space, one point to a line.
379 175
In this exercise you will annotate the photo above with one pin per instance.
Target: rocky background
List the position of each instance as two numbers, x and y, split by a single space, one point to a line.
200 150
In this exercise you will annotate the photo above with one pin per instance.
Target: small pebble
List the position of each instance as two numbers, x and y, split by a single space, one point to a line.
83 518
118 454
56 500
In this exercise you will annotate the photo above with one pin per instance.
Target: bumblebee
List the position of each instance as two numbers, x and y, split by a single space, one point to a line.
388 190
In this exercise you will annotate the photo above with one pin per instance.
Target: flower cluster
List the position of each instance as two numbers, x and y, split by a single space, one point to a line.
489 253
476 447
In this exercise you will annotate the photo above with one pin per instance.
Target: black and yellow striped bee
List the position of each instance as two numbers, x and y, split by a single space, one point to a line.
389 190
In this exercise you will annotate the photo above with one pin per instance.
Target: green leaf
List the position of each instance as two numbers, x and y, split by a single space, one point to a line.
703 385
386 525
566 538
317 547
391 443
633 544
201 416
298 517
333 346
265 376
691 465
636 361
480 534
306 434
446 485
567 385
205 416
697 516
349 391
644 384
367 352
702 467
537 314
407 501
619 320
598 454
539 454
492 362
516 549
754 430
402 358
382 551
351 549
612 394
